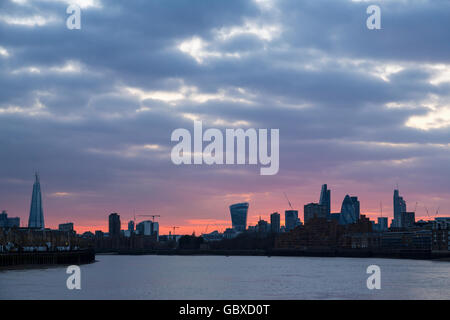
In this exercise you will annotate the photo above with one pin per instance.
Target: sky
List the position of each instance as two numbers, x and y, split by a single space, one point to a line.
92 110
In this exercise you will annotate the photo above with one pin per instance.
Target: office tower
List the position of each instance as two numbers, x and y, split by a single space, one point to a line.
408 219
382 224
36 219
325 199
312 210
155 230
238 213
145 228
399 207
131 226
291 219
349 210
114 225
275 222
148 228
263 226
356 206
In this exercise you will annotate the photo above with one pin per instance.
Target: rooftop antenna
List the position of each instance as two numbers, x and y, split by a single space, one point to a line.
381 208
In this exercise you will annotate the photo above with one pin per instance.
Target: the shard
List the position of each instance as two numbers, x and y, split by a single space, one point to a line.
36 219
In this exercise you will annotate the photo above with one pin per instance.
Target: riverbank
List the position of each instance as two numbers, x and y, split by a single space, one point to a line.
342 253
24 259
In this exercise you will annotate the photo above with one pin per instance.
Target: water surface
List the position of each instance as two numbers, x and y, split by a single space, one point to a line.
220 277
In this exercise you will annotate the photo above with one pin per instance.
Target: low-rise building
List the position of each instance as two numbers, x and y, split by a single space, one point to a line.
66 227
6 222
441 234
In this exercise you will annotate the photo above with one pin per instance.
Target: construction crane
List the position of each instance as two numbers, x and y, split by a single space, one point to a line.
150 215
428 214
288 200
437 212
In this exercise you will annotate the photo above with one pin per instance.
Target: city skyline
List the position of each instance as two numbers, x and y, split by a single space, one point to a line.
93 109
347 217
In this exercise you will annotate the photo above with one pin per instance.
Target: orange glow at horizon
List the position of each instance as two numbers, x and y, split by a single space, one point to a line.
199 226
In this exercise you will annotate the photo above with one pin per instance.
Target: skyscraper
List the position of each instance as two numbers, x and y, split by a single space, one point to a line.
399 207
382 224
325 199
408 219
316 210
291 219
349 210
275 222
238 213
131 226
356 205
36 219
114 225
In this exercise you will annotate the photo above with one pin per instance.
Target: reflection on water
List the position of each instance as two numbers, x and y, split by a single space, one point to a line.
219 277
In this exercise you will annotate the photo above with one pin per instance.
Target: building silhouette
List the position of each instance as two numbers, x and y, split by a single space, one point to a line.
238 213
399 207
316 210
382 223
408 219
36 219
349 210
263 226
291 219
6 222
325 199
114 225
66 227
275 222
131 226
148 228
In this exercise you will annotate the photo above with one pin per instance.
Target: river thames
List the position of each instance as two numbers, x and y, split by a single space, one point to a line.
234 277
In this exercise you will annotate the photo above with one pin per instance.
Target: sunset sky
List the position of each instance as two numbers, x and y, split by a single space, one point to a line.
92 110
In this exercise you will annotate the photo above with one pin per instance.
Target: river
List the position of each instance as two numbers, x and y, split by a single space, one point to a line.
234 277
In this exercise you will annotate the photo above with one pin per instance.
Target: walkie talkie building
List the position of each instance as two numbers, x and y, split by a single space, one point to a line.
239 216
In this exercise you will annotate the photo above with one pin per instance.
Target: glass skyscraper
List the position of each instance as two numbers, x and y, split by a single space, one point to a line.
36 219
325 199
399 208
114 225
349 210
238 213
291 219
275 222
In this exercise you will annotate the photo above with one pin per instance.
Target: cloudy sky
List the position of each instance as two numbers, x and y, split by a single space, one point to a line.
93 109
